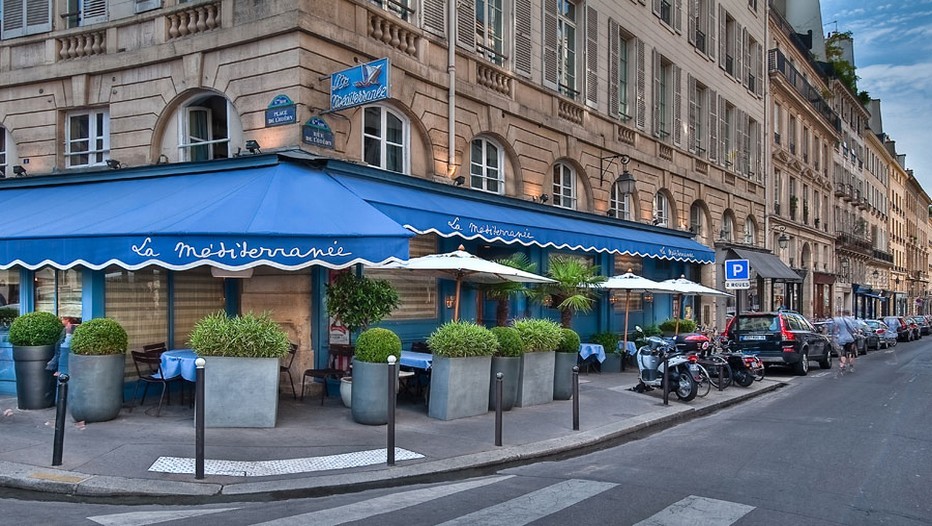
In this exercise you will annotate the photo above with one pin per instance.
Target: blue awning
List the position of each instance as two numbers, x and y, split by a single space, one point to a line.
462 213
234 215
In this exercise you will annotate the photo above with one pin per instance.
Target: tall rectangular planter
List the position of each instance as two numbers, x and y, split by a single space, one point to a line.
459 387
535 381
240 392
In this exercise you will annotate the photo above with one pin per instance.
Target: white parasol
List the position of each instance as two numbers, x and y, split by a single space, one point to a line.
684 287
630 282
462 266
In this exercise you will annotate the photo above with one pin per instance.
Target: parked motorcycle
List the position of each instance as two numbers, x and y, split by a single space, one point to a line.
650 360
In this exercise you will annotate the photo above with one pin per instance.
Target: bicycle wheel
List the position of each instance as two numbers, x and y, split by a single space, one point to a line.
717 364
704 381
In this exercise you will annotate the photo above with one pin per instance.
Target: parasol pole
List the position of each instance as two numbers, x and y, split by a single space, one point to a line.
678 314
456 304
627 304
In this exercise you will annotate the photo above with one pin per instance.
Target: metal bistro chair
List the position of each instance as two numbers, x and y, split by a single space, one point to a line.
338 359
285 368
148 366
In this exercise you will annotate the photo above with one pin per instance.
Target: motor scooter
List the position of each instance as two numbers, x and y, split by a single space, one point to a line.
650 360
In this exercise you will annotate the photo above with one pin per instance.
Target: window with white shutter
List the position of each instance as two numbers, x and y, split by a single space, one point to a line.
26 17
434 16
677 105
641 84
93 12
550 53
468 25
710 29
522 59
713 125
592 56
620 47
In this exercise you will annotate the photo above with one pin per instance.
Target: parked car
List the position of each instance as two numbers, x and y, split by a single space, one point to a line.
780 338
886 336
870 339
923 324
898 325
914 327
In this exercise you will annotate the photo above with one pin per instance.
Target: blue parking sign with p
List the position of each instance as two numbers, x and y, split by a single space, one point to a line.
737 269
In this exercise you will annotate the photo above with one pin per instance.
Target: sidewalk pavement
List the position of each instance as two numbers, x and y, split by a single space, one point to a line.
317 449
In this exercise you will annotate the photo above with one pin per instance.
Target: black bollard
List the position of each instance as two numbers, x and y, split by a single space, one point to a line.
199 419
498 408
721 377
392 376
666 380
60 411
575 398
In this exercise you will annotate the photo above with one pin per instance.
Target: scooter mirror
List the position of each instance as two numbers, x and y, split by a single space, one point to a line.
638 328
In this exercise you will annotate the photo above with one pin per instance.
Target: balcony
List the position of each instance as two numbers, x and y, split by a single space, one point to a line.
853 242
880 255
778 64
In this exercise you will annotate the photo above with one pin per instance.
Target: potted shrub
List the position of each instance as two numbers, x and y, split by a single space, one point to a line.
613 355
242 371
574 289
564 360
35 337
98 358
669 327
369 403
459 376
506 360
535 379
502 293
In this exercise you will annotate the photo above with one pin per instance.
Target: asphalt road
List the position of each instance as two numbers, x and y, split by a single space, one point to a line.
825 450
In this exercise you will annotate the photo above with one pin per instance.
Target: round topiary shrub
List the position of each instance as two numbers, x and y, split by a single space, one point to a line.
509 342
569 342
98 337
376 345
539 335
36 328
462 339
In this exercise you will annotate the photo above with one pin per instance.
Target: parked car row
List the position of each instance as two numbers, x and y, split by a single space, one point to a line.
789 338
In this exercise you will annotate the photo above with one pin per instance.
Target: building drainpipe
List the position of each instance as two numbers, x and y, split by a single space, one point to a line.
451 96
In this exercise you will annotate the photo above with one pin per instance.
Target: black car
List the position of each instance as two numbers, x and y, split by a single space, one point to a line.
901 326
782 337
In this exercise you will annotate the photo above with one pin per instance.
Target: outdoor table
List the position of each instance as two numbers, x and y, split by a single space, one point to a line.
592 349
420 362
179 362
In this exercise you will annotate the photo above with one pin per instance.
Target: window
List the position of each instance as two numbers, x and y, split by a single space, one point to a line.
750 231
26 17
729 136
566 48
698 26
86 12
384 139
9 287
564 186
87 138
695 220
728 229
698 111
667 116
196 293
621 45
58 291
205 131
417 293
490 40
619 203
485 166
730 43
3 154
400 8
661 210
777 120
138 299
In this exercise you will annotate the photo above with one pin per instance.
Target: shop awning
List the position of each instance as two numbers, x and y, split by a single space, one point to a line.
461 212
234 215
767 265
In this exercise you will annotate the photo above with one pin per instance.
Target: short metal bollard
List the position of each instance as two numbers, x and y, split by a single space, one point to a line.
60 414
575 398
392 378
666 380
199 419
498 408
721 377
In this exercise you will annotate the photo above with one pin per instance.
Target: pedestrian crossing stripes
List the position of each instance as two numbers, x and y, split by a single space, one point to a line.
264 468
698 510
144 518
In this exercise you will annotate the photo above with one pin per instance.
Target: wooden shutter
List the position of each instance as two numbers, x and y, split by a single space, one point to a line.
710 30
691 11
741 131
550 44
522 58
147 5
655 93
693 114
746 51
713 126
641 58
759 69
93 12
26 17
677 106
723 130
740 44
614 72
592 56
678 16
655 7
466 25
433 17
722 37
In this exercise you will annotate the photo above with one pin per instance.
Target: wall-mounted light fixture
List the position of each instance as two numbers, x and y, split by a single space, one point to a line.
784 240
459 180
547 301
253 147
113 164
612 298
845 265
448 301
19 171
626 182
610 212
542 198
648 297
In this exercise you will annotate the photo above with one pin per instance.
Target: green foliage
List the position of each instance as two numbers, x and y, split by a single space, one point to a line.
539 335
462 339
359 301
7 315
608 341
569 342
245 336
376 345
36 328
574 290
99 336
501 293
509 341
685 326
844 71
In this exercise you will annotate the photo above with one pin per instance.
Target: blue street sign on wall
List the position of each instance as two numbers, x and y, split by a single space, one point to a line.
317 132
280 111
360 85
737 269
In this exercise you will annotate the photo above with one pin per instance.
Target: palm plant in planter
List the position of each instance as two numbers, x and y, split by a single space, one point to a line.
574 290
564 360
98 357
503 292
35 337
370 375
242 371
535 381
507 360
460 369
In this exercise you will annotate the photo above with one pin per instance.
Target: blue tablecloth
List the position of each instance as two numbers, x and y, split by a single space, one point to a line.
592 349
416 360
179 362
632 349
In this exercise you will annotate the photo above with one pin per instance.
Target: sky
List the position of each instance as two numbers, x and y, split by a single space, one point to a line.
893 57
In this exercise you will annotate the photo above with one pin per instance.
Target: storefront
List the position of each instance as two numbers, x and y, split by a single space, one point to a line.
774 285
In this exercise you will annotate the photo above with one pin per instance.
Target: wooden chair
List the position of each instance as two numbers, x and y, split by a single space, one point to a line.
285 368
339 358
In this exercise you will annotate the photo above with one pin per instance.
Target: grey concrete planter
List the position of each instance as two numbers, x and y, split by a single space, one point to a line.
240 392
563 375
459 387
510 367
369 403
35 385
612 363
535 381
95 391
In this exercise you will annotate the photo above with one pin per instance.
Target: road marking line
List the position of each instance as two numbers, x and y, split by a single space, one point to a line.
143 518
698 510
264 468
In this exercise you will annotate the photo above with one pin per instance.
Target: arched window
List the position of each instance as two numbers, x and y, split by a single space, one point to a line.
750 231
728 229
620 203
205 129
385 139
695 220
564 186
661 210
486 166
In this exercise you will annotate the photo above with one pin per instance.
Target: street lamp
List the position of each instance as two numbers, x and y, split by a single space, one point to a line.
784 240
844 267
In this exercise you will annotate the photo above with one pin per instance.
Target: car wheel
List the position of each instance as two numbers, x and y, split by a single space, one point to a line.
826 362
801 368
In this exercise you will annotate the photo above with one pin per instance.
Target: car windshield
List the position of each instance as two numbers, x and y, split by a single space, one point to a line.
757 323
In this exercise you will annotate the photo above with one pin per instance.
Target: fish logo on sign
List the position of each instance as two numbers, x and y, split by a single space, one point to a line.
370 75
